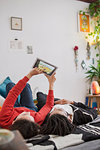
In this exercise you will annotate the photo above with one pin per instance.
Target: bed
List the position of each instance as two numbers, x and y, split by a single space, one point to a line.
85 137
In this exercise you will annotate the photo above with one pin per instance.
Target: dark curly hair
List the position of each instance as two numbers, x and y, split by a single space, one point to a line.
57 124
27 128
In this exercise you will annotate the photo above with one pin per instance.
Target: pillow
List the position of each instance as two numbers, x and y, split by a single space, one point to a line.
41 98
3 92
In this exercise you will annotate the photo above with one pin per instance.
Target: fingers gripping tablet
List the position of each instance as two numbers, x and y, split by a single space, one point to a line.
45 66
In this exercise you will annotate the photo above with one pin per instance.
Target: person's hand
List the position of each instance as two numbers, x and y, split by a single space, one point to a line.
34 71
63 101
51 80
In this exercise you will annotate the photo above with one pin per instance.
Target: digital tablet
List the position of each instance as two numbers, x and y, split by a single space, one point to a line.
45 66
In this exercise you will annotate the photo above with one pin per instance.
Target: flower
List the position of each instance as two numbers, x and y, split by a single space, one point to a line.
76 56
75 48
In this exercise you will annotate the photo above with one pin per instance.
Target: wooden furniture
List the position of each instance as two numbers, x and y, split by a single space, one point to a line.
90 100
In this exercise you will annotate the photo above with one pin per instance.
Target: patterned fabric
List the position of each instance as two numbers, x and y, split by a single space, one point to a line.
81 134
82 113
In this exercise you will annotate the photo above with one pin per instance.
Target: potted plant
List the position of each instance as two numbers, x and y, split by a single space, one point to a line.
93 73
94 10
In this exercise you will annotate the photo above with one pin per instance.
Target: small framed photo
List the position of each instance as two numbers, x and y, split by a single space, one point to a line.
16 23
83 22
45 66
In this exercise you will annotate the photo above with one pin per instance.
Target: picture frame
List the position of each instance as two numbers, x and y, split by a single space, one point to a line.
45 66
16 23
83 22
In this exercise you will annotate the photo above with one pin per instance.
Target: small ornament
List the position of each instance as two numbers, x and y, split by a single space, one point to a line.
83 64
76 56
88 50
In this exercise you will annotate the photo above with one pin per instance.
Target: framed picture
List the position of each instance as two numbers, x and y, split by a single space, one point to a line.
45 66
83 22
16 23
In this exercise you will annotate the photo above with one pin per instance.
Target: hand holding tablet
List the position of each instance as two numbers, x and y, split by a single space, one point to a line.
45 66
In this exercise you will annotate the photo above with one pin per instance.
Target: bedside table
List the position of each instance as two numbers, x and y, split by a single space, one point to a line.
90 100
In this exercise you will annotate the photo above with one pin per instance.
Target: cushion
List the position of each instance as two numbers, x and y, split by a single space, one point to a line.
41 98
3 92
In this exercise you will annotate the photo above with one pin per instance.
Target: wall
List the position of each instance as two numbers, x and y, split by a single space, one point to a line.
50 26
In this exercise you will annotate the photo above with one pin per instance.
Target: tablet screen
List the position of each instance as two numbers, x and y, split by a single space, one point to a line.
45 66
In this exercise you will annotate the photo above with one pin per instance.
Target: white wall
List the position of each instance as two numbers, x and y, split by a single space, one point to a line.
50 26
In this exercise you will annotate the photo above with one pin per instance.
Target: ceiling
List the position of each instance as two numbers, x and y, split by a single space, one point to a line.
88 1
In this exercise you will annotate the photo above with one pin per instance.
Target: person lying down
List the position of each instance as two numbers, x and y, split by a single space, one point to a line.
59 119
65 116
23 116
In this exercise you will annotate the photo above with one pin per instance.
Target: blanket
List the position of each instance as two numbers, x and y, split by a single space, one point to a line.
81 134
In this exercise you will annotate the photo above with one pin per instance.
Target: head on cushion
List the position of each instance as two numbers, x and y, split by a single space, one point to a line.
27 128
41 98
58 125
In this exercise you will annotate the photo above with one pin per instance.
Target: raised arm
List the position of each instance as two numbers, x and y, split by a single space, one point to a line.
51 80
40 116
64 101
9 102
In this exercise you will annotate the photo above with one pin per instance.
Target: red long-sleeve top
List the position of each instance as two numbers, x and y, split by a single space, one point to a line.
8 112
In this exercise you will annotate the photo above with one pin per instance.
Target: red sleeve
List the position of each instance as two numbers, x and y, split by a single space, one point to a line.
40 116
8 105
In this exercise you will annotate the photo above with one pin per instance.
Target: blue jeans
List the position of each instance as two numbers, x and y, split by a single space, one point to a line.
26 99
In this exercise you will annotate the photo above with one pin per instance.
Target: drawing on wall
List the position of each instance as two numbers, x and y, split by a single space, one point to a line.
16 23
16 44
83 22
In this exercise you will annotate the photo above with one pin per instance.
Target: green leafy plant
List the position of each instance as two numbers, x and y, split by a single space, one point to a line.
94 8
93 72
94 11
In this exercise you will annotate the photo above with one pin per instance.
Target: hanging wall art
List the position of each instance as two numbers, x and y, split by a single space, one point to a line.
16 23
76 56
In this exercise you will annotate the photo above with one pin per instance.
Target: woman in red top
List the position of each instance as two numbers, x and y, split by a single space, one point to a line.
21 118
